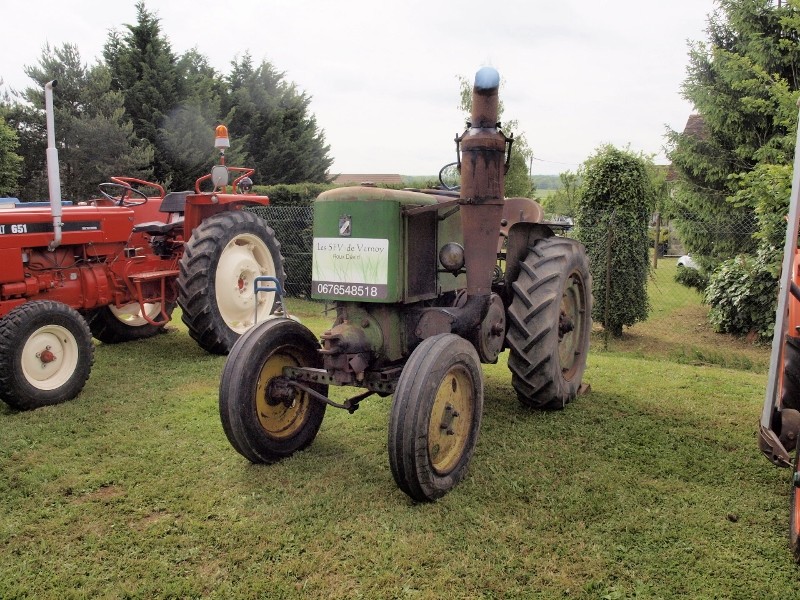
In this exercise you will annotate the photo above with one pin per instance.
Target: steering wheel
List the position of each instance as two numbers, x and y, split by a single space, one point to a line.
121 195
450 177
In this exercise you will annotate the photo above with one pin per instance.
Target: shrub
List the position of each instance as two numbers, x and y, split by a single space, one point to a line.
613 213
692 278
294 194
742 296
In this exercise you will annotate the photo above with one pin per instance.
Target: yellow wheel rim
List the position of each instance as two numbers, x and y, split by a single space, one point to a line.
285 418
451 420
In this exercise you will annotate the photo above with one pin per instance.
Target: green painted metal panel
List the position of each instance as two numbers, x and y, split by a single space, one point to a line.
358 244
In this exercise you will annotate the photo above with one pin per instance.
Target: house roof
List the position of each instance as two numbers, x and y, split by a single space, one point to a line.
359 178
696 127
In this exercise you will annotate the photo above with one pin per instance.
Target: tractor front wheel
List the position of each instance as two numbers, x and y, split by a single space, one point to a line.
112 325
46 354
264 417
217 271
549 323
435 417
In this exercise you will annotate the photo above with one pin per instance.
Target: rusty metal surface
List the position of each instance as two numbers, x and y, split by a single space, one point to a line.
772 448
346 352
518 210
489 337
483 167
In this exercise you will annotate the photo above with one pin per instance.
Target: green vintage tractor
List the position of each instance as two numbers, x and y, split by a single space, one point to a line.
427 285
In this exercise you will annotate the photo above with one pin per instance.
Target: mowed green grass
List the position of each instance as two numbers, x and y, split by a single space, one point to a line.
650 486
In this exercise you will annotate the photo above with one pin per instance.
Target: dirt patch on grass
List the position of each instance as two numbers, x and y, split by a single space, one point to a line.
102 494
151 519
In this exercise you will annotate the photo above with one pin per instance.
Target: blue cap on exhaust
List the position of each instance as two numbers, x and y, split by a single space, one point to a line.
487 78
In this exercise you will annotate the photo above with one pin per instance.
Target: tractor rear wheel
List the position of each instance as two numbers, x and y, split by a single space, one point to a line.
46 354
549 323
790 386
221 260
794 508
435 417
112 325
264 418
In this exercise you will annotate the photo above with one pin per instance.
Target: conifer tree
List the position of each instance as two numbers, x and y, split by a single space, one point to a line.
10 161
742 83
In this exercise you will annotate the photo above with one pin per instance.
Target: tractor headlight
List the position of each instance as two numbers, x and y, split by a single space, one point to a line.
451 255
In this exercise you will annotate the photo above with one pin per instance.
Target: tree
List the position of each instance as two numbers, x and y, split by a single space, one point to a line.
271 117
564 201
518 182
614 209
186 132
145 69
743 84
10 161
735 163
104 143
94 137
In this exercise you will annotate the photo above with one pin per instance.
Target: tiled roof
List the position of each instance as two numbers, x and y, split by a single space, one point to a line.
359 178
696 127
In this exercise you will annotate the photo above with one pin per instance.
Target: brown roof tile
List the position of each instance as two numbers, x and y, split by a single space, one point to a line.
359 178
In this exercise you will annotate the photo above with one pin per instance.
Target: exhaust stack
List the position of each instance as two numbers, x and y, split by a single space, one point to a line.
53 178
483 164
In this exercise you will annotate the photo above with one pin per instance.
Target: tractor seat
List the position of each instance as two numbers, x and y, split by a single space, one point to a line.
156 227
173 203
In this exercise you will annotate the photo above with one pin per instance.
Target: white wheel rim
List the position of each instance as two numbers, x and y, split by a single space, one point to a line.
243 259
49 357
131 314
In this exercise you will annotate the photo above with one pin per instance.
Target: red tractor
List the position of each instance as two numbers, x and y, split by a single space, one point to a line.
115 267
780 417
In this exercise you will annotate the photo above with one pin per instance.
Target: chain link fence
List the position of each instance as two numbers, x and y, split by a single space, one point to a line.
293 228
725 237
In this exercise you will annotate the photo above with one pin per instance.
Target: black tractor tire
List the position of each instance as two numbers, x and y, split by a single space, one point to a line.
111 325
261 427
550 323
790 386
435 417
215 286
794 508
46 354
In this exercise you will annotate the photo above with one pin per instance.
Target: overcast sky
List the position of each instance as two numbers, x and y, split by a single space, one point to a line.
383 75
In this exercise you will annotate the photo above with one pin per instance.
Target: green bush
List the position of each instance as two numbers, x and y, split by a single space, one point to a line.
295 194
615 202
742 295
692 278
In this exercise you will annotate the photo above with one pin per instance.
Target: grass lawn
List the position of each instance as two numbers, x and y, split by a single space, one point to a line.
650 486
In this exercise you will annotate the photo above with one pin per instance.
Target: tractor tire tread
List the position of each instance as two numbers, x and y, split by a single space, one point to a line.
195 295
533 318
14 391
106 328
